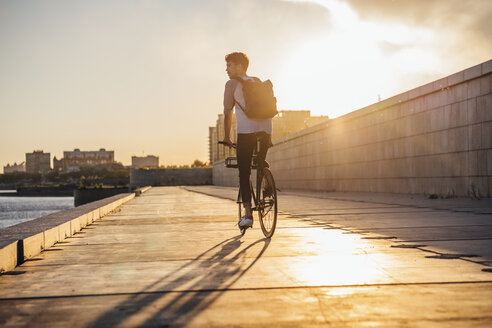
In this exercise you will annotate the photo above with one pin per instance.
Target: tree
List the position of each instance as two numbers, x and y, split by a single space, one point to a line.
198 163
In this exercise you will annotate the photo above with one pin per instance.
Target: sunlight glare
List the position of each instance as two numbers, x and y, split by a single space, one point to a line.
343 259
352 63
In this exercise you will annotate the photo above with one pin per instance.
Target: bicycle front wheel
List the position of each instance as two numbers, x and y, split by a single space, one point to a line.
267 208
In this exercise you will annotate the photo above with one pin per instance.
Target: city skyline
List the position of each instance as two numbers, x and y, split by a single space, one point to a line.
148 77
101 155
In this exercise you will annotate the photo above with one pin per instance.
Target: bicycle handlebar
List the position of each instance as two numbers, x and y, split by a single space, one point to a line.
233 145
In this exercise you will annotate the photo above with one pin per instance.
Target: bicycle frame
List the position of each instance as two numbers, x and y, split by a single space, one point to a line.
253 194
259 172
262 201
259 197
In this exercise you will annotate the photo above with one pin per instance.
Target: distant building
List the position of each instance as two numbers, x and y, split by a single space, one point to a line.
74 160
285 123
15 168
38 162
290 121
147 161
216 134
212 143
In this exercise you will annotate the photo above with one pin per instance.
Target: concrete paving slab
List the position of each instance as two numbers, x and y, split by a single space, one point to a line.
288 247
439 233
173 258
362 211
360 198
234 272
386 220
481 248
421 219
397 199
457 305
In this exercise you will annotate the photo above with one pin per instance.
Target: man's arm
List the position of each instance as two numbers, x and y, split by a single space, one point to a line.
227 128
228 108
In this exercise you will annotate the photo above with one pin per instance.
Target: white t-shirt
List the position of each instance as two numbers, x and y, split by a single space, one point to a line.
233 94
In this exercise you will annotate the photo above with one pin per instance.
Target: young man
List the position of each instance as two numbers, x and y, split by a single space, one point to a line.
248 130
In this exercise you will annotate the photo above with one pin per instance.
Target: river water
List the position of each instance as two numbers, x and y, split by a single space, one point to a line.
14 210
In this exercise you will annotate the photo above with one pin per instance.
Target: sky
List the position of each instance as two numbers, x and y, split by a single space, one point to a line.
147 77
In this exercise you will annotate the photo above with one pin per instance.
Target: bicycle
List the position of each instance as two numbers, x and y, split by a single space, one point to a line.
265 198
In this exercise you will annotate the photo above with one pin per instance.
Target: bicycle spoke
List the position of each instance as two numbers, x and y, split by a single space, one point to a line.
267 203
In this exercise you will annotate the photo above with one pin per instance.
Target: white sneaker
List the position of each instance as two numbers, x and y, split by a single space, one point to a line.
246 222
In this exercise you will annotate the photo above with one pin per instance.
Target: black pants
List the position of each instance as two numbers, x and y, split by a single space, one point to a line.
245 146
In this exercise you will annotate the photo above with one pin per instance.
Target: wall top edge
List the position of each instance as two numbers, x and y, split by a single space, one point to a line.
221 161
460 77
26 229
177 169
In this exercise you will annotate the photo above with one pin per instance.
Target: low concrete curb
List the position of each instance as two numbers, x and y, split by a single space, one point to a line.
26 240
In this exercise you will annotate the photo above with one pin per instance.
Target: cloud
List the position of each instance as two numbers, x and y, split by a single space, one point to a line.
158 64
390 48
424 12
467 22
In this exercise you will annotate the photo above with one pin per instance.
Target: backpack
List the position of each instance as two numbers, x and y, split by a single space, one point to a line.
259 99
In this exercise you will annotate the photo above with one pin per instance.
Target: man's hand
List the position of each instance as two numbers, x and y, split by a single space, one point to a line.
227 128
228 142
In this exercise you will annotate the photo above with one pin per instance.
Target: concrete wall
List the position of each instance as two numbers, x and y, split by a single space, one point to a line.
434 139
84 196
223 176
170 177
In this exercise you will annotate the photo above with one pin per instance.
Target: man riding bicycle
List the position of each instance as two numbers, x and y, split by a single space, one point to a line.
249 131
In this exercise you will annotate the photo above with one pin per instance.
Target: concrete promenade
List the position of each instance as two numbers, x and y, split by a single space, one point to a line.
173 257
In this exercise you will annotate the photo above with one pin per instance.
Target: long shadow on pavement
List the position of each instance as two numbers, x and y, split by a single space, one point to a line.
214 274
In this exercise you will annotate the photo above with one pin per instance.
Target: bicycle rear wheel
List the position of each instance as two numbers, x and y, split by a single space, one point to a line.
267 208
